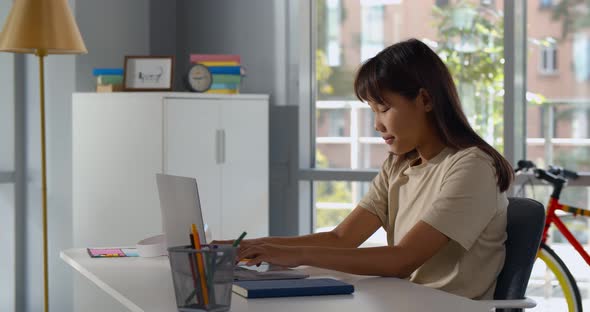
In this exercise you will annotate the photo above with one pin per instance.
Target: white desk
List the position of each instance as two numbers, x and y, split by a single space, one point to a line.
145 285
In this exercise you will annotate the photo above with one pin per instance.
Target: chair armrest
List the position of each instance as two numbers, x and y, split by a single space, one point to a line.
525 303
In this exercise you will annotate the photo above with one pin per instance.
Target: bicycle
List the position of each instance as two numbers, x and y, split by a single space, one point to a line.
568 288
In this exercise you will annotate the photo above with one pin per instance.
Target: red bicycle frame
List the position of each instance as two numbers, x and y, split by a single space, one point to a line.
551 217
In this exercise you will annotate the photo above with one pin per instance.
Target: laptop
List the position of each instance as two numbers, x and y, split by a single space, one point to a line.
181 207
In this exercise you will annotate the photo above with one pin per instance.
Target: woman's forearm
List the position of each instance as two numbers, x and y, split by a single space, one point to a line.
323 239
378 261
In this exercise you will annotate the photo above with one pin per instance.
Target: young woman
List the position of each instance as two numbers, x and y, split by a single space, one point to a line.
440 194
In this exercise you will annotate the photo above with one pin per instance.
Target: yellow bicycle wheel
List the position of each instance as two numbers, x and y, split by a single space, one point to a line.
552 285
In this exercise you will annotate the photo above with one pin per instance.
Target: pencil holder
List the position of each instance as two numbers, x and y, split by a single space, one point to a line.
202 277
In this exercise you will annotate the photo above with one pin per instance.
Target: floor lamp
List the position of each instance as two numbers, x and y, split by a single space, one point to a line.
42 27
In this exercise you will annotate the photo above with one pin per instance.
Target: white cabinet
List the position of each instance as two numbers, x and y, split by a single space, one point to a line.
229 138
116 151
121 140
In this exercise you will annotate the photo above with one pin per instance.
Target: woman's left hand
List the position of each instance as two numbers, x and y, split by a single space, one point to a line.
275 254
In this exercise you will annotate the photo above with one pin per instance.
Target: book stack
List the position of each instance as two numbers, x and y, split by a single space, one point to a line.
225 69
108 79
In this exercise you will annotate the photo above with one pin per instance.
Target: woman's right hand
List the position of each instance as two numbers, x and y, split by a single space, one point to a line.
243 243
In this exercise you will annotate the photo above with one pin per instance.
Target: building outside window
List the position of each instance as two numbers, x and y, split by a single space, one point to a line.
372 37
548 64
543 4
581 57
333 24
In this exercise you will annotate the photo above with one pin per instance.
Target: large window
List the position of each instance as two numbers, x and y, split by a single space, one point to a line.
467 35
546 62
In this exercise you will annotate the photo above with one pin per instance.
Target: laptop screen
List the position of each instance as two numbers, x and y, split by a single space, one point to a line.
180 207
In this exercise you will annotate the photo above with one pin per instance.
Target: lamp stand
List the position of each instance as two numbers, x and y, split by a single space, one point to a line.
41 54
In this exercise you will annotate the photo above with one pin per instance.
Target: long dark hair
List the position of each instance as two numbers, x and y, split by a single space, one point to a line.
405 68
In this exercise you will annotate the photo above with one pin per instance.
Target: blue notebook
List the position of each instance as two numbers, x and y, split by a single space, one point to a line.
291 288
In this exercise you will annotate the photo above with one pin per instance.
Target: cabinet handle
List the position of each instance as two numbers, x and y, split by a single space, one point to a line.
222 146
218 146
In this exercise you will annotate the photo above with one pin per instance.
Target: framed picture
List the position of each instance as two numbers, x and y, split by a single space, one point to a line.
148 73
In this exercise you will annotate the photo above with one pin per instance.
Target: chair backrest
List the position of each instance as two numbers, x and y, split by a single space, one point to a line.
526 219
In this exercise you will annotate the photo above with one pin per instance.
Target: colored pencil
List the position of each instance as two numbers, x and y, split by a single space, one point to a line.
200 265
237 241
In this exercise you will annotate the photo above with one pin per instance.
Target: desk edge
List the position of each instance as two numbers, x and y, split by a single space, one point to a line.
102 285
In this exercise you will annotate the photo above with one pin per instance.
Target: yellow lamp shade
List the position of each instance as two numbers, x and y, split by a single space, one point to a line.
41 25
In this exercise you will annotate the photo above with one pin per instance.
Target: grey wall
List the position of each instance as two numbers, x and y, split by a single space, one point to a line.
284 169
257 31
235 27
162 27
111 30
163 35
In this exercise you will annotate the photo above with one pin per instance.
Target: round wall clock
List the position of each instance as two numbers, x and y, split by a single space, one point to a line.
198 78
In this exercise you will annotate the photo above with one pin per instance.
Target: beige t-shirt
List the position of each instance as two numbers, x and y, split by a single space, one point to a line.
457 194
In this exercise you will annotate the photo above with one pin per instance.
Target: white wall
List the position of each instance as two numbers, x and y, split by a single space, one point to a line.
58 137
7 217
111 29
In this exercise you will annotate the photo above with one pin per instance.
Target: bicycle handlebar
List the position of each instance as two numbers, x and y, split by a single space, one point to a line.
549 177
525 164
554 175
559 171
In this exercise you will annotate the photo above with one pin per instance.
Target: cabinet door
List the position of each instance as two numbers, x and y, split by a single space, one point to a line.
191 139
116 151
245 168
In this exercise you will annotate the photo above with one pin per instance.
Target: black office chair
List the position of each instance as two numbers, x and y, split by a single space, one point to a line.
526 219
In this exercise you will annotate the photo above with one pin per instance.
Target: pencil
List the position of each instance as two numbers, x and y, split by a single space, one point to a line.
195 284
200 265
237 241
